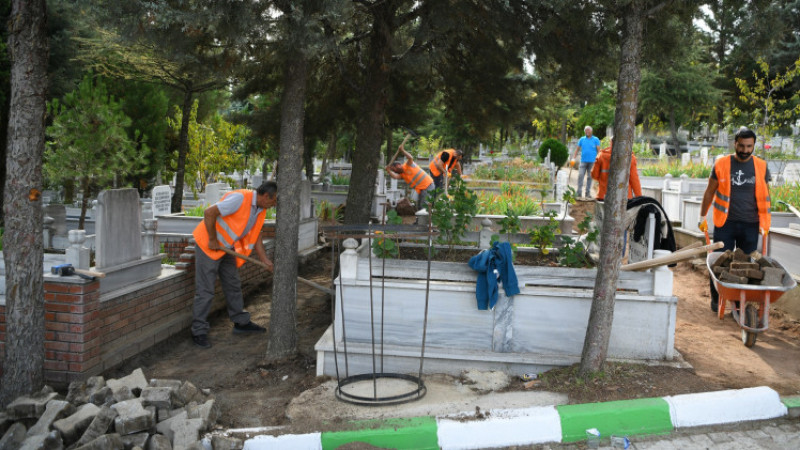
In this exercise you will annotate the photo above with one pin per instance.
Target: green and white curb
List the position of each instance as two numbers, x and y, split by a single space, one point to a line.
565 423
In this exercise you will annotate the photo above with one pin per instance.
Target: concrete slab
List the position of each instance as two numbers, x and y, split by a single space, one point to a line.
445 395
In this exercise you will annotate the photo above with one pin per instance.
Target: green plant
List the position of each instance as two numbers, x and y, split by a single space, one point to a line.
384 247
675 169
558 152
543 237
392 218
573 253
339 179
166 259
789 193
328 212
196 211
452 213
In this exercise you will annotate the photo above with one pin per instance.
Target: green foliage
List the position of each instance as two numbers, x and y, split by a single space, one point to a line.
88 139
453 213
573 252
789 193
392 218
196 211
515 201
166 258
767 107
339 179
675 169
428 146
329 212
558 151
510 224
212 148
517 169
384 247
543 237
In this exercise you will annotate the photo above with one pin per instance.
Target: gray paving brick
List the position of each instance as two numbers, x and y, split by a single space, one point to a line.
701 441
655 445
789 427
719 437
758 434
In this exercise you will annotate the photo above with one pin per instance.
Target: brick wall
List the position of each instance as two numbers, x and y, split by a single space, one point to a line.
86 334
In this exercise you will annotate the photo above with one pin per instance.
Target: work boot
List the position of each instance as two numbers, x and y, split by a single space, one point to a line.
201 340
249 327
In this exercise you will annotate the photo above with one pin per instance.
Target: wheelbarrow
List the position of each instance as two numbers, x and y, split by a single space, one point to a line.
753 299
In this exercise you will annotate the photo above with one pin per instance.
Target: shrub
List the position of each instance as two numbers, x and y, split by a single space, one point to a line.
558 151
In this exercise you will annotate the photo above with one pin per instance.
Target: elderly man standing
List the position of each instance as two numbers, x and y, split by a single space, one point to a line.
588 146
235 223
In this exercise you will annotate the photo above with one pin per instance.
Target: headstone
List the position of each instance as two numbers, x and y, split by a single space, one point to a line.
381 183
257 180
214 192
117 235
306 209
722 138
162 199
59 215
150 244
791 173
640 250
147 209
686 158
787 146
704 156
662 150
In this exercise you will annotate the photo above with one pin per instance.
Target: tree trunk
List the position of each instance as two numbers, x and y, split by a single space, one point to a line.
369 125
673 130
183 149
308 160
84 203
598 332
23 365
282 322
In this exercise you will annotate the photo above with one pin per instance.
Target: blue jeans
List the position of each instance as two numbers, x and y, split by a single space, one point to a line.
585 170
741 235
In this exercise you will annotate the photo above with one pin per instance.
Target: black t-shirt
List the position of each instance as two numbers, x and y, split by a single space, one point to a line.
743 206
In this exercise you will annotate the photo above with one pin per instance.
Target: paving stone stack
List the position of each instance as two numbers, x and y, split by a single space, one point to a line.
116 414
740 268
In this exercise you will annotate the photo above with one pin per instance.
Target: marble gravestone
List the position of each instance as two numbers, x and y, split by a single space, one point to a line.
118 237
214 192
162 201
118 241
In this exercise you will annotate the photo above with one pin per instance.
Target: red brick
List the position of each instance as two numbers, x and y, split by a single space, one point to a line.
57 346
70 337
69 298
55 365
56 326
56 287
57 307
83 347
49 336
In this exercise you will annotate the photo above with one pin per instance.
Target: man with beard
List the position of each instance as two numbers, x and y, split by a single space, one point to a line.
738 190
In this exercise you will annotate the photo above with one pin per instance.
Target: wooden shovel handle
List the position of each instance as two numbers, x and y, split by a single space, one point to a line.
259 263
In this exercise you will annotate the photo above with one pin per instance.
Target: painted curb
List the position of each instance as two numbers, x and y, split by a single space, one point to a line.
538 425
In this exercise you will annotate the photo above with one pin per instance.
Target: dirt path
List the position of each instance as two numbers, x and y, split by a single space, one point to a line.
714 347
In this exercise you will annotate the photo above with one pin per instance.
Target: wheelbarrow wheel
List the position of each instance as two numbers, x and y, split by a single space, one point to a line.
750 320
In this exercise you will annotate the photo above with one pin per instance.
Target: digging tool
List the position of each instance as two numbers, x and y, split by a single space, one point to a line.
398 148
65 270
791 208
680 255
259 263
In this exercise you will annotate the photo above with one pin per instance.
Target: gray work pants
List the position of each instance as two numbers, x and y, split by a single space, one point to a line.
205 277
585 170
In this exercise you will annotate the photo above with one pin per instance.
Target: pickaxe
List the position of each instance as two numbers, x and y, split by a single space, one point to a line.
791 208
66 270
259 263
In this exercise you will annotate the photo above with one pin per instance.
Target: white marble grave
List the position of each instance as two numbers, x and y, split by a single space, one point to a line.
162 200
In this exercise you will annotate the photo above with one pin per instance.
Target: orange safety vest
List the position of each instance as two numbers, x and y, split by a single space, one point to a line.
448 165
415 177
230 229
601 169
722 197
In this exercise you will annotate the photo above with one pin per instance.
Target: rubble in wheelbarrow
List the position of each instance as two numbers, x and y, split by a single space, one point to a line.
740 268
128 412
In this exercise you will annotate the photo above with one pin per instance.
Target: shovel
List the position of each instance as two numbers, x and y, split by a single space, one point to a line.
791 208
259 263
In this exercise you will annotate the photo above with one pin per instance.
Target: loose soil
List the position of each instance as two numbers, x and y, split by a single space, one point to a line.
254 391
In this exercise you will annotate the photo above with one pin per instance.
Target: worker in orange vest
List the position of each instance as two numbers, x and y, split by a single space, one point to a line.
234 222
600 173
445 162
738 189
413 175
